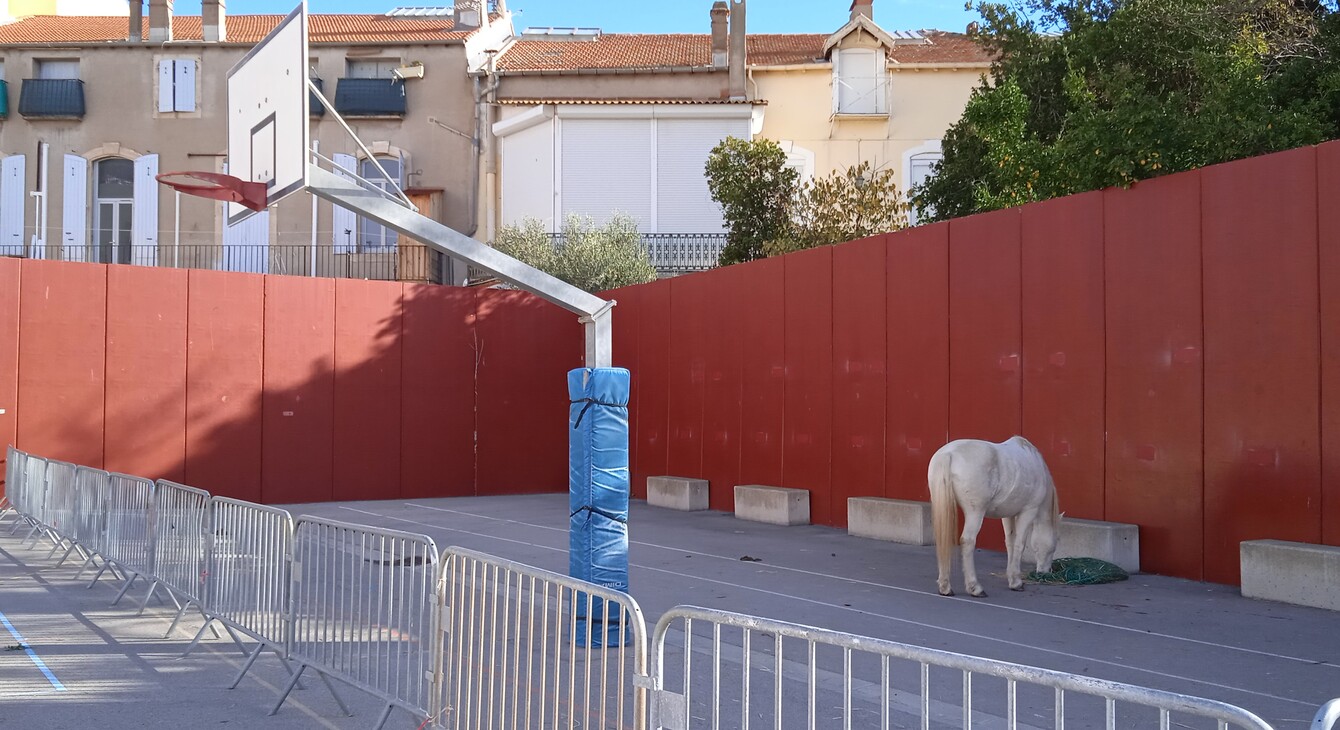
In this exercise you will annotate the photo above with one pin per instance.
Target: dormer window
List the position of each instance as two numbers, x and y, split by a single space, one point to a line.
860 82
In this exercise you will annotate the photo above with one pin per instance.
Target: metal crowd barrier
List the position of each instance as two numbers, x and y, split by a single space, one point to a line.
34 490
771 672
247 573
181 519
361 609
92 487
513 653
128 543
13 468
59 512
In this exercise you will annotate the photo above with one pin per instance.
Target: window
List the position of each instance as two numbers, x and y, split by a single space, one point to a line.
920 168
372 234
113 201
860 80
372 68
56 68
176 85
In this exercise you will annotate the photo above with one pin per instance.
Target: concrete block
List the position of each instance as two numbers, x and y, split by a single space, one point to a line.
895 520
1291 572
774 505
1114 542
686 495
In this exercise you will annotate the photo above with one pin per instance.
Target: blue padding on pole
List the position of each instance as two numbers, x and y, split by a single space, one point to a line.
598 495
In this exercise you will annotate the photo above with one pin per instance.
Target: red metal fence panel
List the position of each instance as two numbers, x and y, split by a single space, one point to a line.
1063 323
368 334
625 356
63 360
10 272
1154 404
653 357
759 305
146 371
690 316
437 418
808 433
1262 450
859 373
722 386
1328 192
917 412
298 406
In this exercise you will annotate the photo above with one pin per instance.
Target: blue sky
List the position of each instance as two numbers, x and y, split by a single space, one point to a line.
659 16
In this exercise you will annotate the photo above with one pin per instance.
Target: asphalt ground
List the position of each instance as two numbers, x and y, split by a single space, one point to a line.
89 664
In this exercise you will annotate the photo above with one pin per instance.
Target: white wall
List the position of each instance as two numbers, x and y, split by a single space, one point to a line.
528 175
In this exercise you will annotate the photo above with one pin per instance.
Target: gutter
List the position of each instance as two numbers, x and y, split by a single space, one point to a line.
615 71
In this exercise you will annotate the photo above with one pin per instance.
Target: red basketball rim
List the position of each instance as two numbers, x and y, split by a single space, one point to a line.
216 186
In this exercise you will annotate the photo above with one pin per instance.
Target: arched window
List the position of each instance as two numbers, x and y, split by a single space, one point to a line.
372 234
113 204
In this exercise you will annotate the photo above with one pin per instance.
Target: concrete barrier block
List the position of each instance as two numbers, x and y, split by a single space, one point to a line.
774 505
895 520
1291 572
686 495
1114 542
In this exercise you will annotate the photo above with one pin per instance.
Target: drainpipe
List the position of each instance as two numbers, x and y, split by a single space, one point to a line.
485 98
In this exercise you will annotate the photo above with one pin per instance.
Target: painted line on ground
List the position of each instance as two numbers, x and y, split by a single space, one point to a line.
924 594
37 661
897 619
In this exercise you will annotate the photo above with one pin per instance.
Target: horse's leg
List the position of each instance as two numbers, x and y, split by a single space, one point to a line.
1023 525
1010 553
972 524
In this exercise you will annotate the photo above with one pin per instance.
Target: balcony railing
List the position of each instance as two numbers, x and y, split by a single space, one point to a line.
671 254
409 263
370 97
52 98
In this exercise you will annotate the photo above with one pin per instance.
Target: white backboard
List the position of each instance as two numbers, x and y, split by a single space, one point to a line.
268 113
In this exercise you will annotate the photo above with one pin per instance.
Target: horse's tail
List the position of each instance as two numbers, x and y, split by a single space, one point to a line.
944 511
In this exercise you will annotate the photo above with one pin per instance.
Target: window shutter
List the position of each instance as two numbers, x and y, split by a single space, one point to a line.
11 205
74 221
607 168
184 85
144 225
684 203
166 80
837 81
344 224
246 245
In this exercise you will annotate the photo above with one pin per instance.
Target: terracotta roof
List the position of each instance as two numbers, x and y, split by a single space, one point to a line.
635 51
607 102
325 28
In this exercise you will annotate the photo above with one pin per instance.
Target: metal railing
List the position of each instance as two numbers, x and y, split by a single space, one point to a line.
675 253
475 641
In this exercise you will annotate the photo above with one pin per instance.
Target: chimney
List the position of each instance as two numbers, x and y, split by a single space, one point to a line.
136 20
213 18
160 21
720 12
469 14
863 7
737 59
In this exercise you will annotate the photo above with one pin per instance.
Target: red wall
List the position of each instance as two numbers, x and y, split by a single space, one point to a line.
1164 346
283 389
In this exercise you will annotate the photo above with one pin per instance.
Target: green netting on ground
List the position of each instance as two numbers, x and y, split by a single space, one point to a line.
1080 572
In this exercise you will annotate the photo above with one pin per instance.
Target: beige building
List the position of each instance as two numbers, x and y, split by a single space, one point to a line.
96 106
591 123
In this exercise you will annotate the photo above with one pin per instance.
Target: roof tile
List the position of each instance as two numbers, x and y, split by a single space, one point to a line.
325 28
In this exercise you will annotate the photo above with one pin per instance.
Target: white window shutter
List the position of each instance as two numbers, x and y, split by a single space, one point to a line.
12 198
684 203
837 81
144 225
344 224
246 246
166 79
607 169
185 85
74 221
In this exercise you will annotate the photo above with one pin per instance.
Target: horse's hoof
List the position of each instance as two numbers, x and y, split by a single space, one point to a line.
1019 587
947 592
978 593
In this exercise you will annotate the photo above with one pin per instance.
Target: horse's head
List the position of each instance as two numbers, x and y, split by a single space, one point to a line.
1045 535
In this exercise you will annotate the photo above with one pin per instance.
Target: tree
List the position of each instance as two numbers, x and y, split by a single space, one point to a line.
753 185
844 206
592 258
1086 94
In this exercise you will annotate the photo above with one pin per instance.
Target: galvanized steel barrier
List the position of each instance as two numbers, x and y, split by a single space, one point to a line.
128 543
777 674
181 519
92 487
362 609
60 500
514 655
34 490
13 468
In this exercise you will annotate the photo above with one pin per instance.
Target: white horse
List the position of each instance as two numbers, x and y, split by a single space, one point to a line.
1009 480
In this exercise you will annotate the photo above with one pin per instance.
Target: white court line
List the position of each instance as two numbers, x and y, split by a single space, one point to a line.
926 594
840 607
37 661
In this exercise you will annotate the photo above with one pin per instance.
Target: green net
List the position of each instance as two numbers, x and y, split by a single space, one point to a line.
1080 572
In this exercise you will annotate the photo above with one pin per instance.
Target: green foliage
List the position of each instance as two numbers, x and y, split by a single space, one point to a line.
1087 94
591 258
755 188
844 206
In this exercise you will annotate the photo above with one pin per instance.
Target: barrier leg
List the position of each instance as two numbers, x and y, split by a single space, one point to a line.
338 700
98 575
66 556
88 560
153 587
251 659
288 688
177 619
236 639
386 715
17 524
195 641
56 546
124 588
287 667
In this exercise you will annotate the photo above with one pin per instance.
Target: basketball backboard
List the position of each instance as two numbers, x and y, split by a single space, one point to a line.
268 113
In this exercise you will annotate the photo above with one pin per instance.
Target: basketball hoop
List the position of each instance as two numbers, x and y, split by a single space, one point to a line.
217 186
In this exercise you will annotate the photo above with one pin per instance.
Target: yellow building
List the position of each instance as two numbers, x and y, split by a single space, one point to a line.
11 9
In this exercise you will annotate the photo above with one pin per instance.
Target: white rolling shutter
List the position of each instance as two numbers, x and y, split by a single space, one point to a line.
683 202
166 80
344 224
246 246
607 168
12 197
74 218
861 77
144 223
184 85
